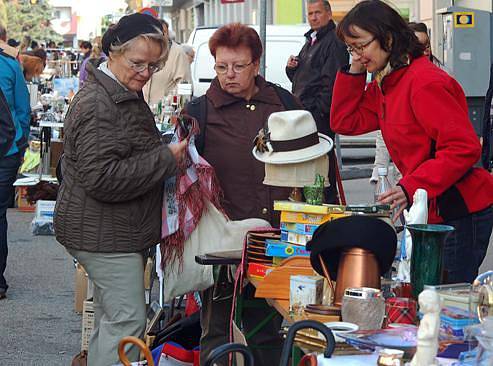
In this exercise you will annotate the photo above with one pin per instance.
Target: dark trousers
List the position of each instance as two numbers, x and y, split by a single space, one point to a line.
323 126
466 247
330 192
266 345
8 173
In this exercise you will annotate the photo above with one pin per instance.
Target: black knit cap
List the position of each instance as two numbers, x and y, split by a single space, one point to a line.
128 27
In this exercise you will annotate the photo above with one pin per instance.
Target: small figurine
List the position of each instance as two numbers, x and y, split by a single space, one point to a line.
427 347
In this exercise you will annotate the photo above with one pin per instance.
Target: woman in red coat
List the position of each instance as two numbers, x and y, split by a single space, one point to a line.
422 113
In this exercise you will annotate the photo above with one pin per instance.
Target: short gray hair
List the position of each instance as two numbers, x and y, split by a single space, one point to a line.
325 3
3 32
187 49
154 37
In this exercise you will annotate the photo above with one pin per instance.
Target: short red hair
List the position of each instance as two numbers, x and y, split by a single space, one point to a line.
235 35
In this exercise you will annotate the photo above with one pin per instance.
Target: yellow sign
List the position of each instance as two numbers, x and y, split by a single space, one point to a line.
464 19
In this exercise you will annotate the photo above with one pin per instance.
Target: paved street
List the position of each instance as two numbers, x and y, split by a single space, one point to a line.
37 322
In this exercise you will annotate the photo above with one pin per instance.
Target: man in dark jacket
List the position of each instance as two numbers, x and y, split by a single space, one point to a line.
314 70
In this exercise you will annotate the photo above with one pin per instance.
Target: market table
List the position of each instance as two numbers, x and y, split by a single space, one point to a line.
282 307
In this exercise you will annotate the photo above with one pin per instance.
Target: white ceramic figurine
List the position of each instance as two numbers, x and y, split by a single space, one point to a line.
429 305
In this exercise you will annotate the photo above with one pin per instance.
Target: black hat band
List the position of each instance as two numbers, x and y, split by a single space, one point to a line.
296 144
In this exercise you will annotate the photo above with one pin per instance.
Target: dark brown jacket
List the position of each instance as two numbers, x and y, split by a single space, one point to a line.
114 167
232 124
313 79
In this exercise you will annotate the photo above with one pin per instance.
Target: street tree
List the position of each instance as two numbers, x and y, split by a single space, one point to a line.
3 13
31 18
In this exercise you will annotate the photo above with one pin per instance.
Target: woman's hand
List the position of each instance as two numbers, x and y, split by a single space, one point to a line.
396 198
356 67
178 150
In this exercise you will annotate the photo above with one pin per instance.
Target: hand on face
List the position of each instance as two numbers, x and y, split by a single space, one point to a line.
366 51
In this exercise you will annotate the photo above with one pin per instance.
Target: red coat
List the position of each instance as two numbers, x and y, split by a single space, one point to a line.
422 113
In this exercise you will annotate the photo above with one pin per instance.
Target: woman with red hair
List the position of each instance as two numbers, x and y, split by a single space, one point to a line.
238 103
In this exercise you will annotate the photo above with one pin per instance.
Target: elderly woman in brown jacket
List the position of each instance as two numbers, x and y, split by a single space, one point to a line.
108 210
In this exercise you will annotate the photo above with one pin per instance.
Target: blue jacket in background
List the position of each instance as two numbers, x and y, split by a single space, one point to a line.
15 90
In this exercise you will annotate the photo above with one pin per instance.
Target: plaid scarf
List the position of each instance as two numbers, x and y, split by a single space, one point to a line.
185 194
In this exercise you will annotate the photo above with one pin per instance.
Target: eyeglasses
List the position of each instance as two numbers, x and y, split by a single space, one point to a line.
237 68
359 49
141 67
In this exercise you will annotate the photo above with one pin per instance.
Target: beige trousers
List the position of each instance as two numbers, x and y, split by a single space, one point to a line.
119 303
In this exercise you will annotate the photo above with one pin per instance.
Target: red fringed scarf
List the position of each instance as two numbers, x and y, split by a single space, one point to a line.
185 194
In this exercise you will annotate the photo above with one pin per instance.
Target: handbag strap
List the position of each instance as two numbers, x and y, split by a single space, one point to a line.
240 274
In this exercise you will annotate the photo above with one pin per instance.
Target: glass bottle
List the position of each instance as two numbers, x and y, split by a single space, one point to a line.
383 183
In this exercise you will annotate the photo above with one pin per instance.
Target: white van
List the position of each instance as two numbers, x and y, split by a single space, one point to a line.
282 41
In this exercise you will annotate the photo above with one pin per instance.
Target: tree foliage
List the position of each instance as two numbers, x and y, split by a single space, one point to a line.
3 13
25 18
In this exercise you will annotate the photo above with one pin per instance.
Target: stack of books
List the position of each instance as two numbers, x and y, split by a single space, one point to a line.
298 223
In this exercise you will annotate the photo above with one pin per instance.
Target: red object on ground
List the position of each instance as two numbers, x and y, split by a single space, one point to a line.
191 305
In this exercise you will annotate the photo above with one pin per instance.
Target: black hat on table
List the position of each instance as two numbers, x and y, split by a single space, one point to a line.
128 27
333 237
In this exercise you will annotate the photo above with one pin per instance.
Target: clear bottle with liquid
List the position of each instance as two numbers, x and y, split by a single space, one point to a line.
383 184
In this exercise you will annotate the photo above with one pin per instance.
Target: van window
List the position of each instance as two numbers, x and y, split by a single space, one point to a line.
204 70
276 58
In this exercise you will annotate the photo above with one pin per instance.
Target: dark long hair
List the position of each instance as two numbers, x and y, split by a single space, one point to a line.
381 20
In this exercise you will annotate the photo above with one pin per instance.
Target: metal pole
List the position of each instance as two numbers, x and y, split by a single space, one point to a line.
263 36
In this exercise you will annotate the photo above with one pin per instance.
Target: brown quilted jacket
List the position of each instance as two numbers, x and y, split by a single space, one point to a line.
114 167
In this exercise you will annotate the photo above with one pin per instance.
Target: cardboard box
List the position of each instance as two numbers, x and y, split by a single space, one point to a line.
87 324
81 283
294 238
306 218
305 290
285 250
306 208
305 229
45 209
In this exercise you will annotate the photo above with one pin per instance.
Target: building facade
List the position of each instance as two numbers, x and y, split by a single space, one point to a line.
185 15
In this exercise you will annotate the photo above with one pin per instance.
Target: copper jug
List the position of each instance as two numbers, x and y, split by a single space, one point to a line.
357 268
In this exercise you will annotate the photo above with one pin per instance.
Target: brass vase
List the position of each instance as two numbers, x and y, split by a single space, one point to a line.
357 268
427 254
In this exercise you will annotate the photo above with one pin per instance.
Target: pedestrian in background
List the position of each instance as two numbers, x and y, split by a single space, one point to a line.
422 113
14 88
97 55
108 209
313 74
176 70
421 32
189 51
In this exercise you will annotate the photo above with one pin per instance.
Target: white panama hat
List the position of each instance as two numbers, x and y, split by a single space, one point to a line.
292 137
